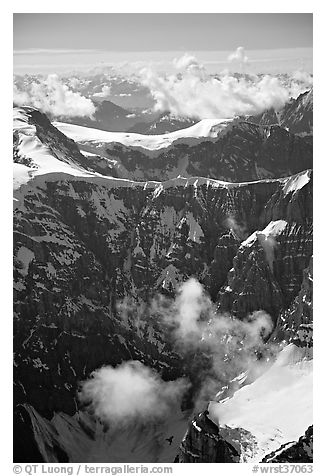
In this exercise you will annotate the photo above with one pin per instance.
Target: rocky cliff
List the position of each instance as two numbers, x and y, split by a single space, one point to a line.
204 443
296 115
87 244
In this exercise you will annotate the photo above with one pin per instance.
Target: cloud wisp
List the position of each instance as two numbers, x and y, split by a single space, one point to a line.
226 345
214 347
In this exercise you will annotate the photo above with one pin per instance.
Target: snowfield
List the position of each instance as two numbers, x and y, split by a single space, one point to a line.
276 408
207 128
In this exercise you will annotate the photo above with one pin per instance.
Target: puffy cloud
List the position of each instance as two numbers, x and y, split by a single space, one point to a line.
21 97
196 321
130 392
238 56
191 92
104 93
229 346
51 96
74 83
300 81
190 303
190 64
303 77
216 346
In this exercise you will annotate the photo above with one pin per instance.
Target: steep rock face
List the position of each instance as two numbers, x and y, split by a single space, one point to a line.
81 246
268 267
251 285
296 116
84 244
245 152
293 202
267 275
294 452
204 443
296 321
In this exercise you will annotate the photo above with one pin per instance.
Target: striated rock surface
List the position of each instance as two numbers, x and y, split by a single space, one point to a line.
204 443
296 321
86 245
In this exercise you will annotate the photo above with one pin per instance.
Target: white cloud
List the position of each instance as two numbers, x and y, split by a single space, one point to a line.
189 64
104 93
50 95
196 320
191 92
238 56
229 346
130 392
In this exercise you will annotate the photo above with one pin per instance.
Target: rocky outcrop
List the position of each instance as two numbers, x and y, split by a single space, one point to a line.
296 322
296 115
267 274
294 452
204 443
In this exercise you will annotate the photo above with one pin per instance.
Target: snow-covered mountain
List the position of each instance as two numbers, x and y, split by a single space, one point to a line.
95 225
229 150
207 128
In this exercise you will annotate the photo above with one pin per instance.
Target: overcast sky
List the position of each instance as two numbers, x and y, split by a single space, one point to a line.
164 32
108 37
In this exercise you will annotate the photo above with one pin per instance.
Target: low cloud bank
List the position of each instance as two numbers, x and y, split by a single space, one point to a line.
182 86
51 96
192 92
